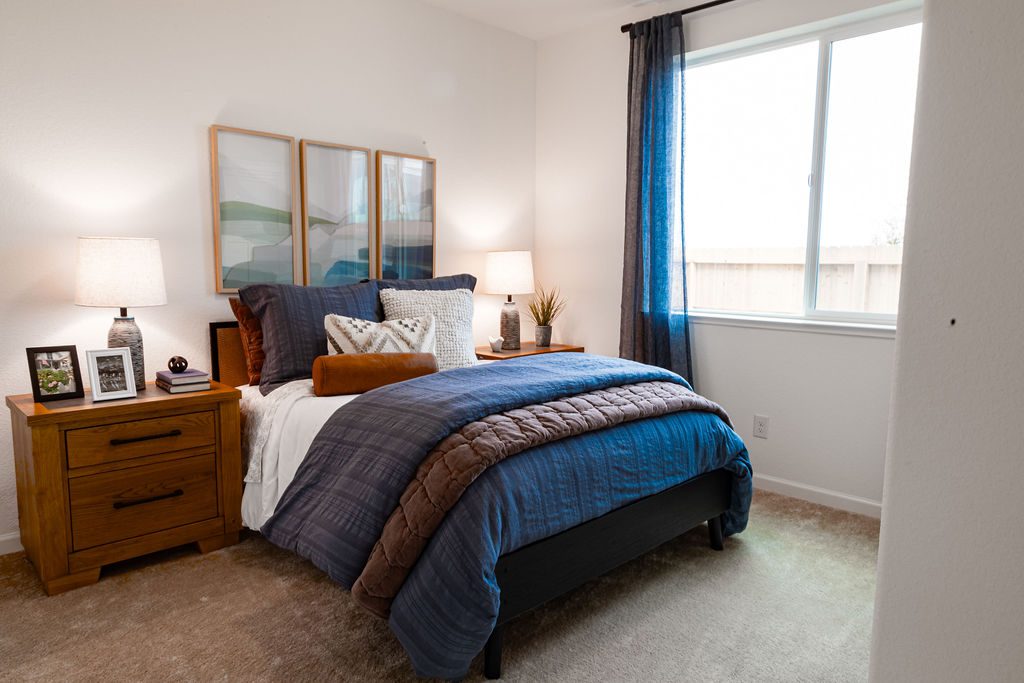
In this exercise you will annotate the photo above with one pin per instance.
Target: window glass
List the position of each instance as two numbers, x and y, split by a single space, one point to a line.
869 126
749 135
748 181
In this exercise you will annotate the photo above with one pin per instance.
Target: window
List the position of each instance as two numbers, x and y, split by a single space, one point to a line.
795 176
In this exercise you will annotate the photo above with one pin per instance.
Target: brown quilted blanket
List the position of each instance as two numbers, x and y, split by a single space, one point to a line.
463 456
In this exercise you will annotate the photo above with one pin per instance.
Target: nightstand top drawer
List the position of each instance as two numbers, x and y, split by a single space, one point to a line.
124 440
132 502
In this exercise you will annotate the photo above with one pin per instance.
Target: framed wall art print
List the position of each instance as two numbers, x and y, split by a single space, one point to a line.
335 213
254 207
406 215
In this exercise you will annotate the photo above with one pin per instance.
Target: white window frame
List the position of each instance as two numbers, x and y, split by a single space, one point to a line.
875 20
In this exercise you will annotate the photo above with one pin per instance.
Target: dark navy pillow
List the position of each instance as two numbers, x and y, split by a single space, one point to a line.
445 282
292 318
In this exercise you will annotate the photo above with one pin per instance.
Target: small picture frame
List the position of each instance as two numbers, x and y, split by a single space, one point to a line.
55 372
110 374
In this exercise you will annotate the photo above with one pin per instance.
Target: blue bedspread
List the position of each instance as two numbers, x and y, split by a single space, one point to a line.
368 451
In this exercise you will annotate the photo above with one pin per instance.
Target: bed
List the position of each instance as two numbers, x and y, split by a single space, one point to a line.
534 558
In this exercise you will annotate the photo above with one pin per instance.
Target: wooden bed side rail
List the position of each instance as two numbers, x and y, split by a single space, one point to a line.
226 357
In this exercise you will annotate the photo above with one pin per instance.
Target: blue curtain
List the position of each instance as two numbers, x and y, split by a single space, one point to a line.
651 332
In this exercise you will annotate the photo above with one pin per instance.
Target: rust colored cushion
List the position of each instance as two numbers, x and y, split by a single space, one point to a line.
355 373
251 331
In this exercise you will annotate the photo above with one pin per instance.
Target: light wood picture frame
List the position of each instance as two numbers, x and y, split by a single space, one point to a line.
255 208
406 215
336 228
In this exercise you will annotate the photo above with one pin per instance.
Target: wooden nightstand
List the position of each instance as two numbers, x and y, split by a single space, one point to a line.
102 482
529 349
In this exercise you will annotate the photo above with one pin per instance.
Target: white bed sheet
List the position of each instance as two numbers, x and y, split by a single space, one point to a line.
277 430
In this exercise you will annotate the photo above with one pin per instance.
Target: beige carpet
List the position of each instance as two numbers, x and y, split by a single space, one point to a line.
789 599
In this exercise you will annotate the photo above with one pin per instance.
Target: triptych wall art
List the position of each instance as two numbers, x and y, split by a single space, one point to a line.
261 235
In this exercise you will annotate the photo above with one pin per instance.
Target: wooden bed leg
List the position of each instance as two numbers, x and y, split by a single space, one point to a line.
715 533
492 654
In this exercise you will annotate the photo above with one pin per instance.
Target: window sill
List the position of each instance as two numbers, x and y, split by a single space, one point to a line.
794 324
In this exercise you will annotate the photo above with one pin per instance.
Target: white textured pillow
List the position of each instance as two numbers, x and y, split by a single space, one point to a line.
453 312
355 335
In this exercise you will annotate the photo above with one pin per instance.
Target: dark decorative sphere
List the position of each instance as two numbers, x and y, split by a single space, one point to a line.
177 364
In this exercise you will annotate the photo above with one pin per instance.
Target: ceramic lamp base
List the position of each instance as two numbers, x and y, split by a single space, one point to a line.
510 327
124 332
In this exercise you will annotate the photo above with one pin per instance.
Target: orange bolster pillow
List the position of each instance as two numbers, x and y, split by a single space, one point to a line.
355 373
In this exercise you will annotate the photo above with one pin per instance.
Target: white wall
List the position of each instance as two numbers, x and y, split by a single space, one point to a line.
950 602
103 130
827 395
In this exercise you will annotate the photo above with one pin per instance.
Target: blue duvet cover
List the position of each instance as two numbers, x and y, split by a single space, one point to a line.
368 451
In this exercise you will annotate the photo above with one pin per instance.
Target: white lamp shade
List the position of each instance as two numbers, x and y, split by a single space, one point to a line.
119 272
508 272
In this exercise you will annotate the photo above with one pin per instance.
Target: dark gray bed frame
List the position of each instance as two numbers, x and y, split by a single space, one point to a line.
532 575
552 566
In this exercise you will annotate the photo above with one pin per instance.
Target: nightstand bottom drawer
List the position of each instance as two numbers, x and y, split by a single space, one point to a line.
132 502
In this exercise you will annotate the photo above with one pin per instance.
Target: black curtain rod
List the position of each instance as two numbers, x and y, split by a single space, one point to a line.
688 10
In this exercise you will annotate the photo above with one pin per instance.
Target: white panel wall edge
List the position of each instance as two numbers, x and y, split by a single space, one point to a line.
949 603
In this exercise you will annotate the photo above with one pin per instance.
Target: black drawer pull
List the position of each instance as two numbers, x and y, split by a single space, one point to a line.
128 503
150 437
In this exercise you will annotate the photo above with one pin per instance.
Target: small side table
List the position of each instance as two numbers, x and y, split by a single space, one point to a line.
102 482
529 349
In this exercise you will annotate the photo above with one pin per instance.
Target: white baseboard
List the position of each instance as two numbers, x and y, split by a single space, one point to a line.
815 494
10 543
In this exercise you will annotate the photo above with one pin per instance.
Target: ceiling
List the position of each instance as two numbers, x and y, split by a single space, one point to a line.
537 19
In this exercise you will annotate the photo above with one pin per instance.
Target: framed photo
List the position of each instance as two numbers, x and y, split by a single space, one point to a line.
335 213
406 215
254 207
110 374
55 373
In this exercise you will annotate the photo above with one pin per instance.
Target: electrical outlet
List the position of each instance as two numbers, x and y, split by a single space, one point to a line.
761 426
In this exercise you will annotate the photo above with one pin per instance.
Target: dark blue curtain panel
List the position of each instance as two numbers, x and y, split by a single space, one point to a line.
651 330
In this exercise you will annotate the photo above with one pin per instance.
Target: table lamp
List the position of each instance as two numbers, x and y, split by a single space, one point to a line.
508 273
121 272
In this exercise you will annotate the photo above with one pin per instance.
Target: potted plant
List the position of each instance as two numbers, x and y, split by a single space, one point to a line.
545 307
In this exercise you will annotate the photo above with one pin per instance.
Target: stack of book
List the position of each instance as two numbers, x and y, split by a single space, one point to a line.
182 382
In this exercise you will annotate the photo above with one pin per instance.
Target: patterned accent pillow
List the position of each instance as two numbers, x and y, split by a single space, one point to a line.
292 318
453 312
354 335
